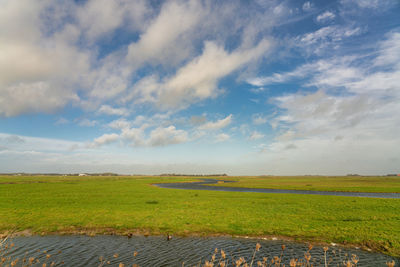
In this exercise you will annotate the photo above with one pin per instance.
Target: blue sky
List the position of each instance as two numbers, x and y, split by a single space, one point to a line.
237 87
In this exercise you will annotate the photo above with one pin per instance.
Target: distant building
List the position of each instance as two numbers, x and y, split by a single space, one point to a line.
82 174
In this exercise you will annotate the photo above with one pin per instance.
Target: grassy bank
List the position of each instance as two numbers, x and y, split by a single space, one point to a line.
122 204
384 184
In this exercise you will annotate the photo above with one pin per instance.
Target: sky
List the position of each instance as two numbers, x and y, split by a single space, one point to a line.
200 87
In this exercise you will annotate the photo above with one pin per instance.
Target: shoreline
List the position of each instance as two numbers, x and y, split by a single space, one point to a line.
92 232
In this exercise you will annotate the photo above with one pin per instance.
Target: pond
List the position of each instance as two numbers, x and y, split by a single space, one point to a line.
158 251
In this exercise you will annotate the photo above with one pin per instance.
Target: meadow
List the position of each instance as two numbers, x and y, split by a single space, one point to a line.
123 205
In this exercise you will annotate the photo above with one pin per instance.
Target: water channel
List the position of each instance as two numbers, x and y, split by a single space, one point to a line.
205 185
158 251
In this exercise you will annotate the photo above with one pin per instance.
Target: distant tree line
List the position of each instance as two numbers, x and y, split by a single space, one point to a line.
201 175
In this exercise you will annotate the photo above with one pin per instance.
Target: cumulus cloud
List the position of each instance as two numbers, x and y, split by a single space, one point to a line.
158 42
326 16
143 136
104 140
167 136
99 17
52 50
38 71
120 124
108 110
198 79
32 97
219 124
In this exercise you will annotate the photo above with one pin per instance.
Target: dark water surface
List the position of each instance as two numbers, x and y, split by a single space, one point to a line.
204 186
157 251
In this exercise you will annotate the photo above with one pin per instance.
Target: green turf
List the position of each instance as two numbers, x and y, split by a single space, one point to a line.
54 204
321 183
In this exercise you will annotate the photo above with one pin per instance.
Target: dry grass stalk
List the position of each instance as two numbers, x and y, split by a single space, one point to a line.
258 246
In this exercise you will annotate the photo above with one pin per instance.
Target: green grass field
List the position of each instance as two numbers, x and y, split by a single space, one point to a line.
132 204
321 183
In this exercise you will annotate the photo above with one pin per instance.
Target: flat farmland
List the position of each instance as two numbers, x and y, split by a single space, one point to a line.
131 204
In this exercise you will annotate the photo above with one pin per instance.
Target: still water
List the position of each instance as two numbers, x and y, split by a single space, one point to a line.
204 185
157 251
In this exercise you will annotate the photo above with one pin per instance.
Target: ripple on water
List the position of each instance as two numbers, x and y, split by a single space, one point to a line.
157 251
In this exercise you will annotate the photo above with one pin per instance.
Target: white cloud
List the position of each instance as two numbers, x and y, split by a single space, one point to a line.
256 135
33 97
159 42
160 136
326 16
222 123
55 50
389 53
324 40
134 136
353 123
106 109
120 124
195 81
222 137
146 90
328 33
167 136
38 72
198 79
99 17
326 156
339 69
104 140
